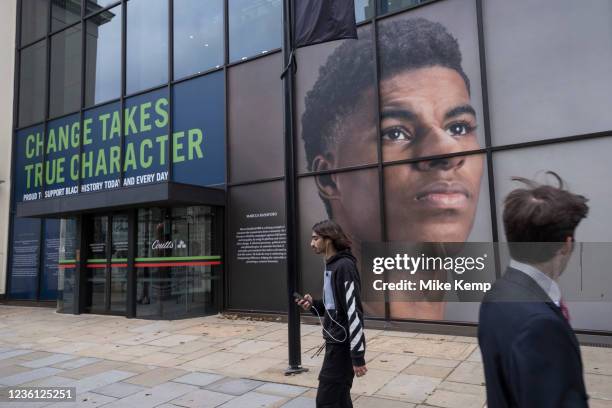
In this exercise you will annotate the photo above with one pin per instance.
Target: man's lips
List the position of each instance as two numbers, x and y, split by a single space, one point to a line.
446 195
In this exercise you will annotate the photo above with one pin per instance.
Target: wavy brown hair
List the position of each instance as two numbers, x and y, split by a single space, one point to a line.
333 231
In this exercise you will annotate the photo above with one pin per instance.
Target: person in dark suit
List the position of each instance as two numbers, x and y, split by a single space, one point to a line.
530 353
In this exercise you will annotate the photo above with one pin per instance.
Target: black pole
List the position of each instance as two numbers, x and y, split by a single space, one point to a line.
290 197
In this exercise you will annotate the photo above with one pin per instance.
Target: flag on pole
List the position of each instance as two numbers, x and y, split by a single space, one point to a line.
318 21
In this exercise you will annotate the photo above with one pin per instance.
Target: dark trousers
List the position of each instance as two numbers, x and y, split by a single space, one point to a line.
336 378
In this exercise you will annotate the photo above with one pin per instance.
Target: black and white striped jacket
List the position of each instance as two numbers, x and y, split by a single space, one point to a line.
343 285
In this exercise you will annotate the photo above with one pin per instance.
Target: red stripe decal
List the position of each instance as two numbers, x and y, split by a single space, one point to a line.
157 264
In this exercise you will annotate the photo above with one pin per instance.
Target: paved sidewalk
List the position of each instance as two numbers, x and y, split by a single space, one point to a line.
215 361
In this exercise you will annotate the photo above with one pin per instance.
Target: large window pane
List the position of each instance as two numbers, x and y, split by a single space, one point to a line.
198 36
65 90
103 57
32 81
389 6
145 151
255 27
28 177
256 145
548 67
336 106
96 5
147 44
34 20
350 198
586 277
418 209
199 134
64 12
430 96
364 9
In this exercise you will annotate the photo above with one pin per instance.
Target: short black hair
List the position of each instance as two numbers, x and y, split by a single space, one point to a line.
404 45
539 218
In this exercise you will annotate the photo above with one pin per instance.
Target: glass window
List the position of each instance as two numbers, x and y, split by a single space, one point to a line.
147 44
28 177
101 158
389 6
198 36
65 90
145 150
350 198
546 80
335 104
364 9
32 82
34 20
62 155
50 269
96 5
413 212
64 12
255 27
256 145
103 57
199 134
67 265
429 61
580 164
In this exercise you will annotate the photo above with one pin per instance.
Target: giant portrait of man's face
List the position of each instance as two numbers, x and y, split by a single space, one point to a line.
426 110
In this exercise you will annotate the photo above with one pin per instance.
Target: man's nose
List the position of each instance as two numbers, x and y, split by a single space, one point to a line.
438 142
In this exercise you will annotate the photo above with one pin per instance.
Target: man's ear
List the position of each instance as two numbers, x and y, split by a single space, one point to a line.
568 246
326 183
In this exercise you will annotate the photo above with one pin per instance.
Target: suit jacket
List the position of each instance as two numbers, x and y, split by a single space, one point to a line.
530 353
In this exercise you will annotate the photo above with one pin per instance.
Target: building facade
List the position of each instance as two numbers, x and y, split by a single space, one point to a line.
148 157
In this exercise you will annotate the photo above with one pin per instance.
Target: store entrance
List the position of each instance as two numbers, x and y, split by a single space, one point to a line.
156 262
106 263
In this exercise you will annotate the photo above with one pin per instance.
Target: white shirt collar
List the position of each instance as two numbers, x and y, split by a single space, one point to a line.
549 286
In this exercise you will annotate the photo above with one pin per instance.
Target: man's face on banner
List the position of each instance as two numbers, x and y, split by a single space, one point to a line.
424 112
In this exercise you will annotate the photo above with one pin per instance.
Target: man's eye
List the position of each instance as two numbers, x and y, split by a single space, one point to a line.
395 134
459 129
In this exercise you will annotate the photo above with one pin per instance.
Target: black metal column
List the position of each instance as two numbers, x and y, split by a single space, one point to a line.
290 196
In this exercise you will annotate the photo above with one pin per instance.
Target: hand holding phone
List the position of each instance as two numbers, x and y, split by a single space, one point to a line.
305 302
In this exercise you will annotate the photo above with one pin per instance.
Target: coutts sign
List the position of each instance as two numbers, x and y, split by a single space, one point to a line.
157 244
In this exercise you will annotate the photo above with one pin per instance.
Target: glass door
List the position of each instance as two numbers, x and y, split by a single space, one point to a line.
107 248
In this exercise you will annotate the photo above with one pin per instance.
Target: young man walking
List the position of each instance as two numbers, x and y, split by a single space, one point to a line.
341 311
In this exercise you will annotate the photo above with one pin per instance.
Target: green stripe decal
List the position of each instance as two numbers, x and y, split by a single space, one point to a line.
68 261
104 260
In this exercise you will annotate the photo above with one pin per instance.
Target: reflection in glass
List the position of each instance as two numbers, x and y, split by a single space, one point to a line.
32 81
96 264
389 6
67 265
34 20
103 57
364 9
96 5
255 145
65 89
147 44
255 27
64 13
119 254
174 250
198 36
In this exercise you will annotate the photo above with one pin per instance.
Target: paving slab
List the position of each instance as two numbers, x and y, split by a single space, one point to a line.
234 386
